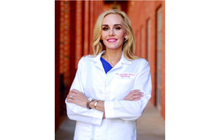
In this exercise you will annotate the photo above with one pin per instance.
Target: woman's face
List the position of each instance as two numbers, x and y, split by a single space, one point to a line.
113 31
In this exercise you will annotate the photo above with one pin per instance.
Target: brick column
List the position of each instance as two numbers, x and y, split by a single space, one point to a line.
94 11
91 26
78 51
65 41
143 42
163 63
136 49
101 7
153 57
86 32
138 43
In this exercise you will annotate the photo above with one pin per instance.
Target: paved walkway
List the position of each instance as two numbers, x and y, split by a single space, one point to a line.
150 126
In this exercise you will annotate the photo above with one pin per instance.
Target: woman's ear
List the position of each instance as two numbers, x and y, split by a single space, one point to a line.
126 37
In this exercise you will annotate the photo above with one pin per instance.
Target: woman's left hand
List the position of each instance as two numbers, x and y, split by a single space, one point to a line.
134 95
77 97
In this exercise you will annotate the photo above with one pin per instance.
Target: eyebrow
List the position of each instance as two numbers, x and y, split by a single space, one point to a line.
114 25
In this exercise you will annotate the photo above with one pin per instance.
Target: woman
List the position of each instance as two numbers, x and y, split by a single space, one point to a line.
112 87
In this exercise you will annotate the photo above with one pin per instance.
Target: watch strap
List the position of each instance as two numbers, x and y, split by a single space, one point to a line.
88 102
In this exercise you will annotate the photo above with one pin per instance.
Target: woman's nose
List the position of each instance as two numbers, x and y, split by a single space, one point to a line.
111 32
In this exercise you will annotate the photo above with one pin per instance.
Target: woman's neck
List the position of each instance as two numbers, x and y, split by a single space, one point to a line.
112 56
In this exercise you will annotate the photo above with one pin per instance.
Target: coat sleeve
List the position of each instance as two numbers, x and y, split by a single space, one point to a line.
76 112
132 110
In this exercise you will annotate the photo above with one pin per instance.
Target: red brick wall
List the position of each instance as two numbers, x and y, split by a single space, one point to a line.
74 24
149 9
79 45
76 30
65 40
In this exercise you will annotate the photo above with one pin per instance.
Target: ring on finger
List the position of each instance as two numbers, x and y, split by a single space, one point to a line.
71 96
130 99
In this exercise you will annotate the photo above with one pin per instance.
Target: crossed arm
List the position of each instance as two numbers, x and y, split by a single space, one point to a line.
80 99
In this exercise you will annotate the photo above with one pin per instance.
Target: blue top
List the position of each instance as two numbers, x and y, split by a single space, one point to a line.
106 65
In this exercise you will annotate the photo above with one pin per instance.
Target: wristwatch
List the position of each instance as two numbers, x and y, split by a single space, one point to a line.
88 102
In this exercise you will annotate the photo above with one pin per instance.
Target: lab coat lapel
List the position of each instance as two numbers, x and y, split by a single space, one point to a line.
122 60
99 64
97 61
118 65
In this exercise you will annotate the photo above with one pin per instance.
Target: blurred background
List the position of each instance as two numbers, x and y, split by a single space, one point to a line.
74 22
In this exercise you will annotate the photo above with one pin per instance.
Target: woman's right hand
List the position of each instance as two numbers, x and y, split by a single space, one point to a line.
134 95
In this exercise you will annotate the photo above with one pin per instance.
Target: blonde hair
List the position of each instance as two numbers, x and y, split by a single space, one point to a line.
128 46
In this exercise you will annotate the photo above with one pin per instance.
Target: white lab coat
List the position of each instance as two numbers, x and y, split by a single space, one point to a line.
113 87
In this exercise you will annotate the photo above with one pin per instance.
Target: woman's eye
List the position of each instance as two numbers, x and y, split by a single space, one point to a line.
105 28
118 28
